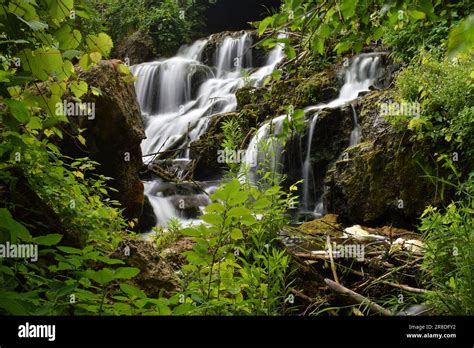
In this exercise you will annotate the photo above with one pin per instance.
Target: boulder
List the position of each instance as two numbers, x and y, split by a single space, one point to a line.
137 47
156 275
378 183
113 135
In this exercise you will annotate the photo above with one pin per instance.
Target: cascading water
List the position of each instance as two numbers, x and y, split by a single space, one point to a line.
178 96
359 77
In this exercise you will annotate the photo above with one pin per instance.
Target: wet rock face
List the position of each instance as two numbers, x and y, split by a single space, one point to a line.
156 275
138 48
330 138
113 136
378 181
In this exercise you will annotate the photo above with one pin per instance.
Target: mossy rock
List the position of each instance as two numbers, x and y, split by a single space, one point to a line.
327 225
378 184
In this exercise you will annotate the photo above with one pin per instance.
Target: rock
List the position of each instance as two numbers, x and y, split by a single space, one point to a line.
137 47
326 225
148 219
174 253
156 275
330 138
189 206
113 136
205 149
378 184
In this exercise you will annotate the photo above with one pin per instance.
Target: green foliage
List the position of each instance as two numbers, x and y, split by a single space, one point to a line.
43 40
461 38
233 139
165 237
338 27
170 23
445 92
450 253
235 266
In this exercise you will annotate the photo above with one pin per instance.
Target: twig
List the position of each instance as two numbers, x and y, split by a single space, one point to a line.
333 266
357 298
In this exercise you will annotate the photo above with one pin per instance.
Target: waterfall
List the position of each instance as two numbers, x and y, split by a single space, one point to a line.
177 97
360 75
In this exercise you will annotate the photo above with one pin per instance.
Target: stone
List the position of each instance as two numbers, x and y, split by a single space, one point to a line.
113 136
156 275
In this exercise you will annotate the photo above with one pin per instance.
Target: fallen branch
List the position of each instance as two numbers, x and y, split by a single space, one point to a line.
357 298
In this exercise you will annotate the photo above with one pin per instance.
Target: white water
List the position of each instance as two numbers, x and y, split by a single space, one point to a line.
359 77
178 96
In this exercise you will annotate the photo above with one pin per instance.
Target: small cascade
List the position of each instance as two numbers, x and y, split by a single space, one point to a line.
309 194
177 97
355 134
233 55
264 150
359 77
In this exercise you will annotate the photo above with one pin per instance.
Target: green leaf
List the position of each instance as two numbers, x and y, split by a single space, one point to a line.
35 123
59 10
348 8
290 51
70 250
79 88
68 38
126 272
16 230
48 240
18 110
417 14
213 219
461 37
33 24
42 62
215 208
236 234
264 25
100 43
342 47
132 291
238 197
238 212
262 203
102 277
191 232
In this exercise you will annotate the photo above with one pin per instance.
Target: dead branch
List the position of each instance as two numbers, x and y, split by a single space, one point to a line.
357 298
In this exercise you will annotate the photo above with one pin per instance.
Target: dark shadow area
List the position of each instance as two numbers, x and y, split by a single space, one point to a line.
235 14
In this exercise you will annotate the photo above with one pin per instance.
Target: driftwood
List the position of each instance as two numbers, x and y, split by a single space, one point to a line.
357 298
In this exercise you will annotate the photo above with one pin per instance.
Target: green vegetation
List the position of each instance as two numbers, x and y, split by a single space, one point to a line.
168 23
237 265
